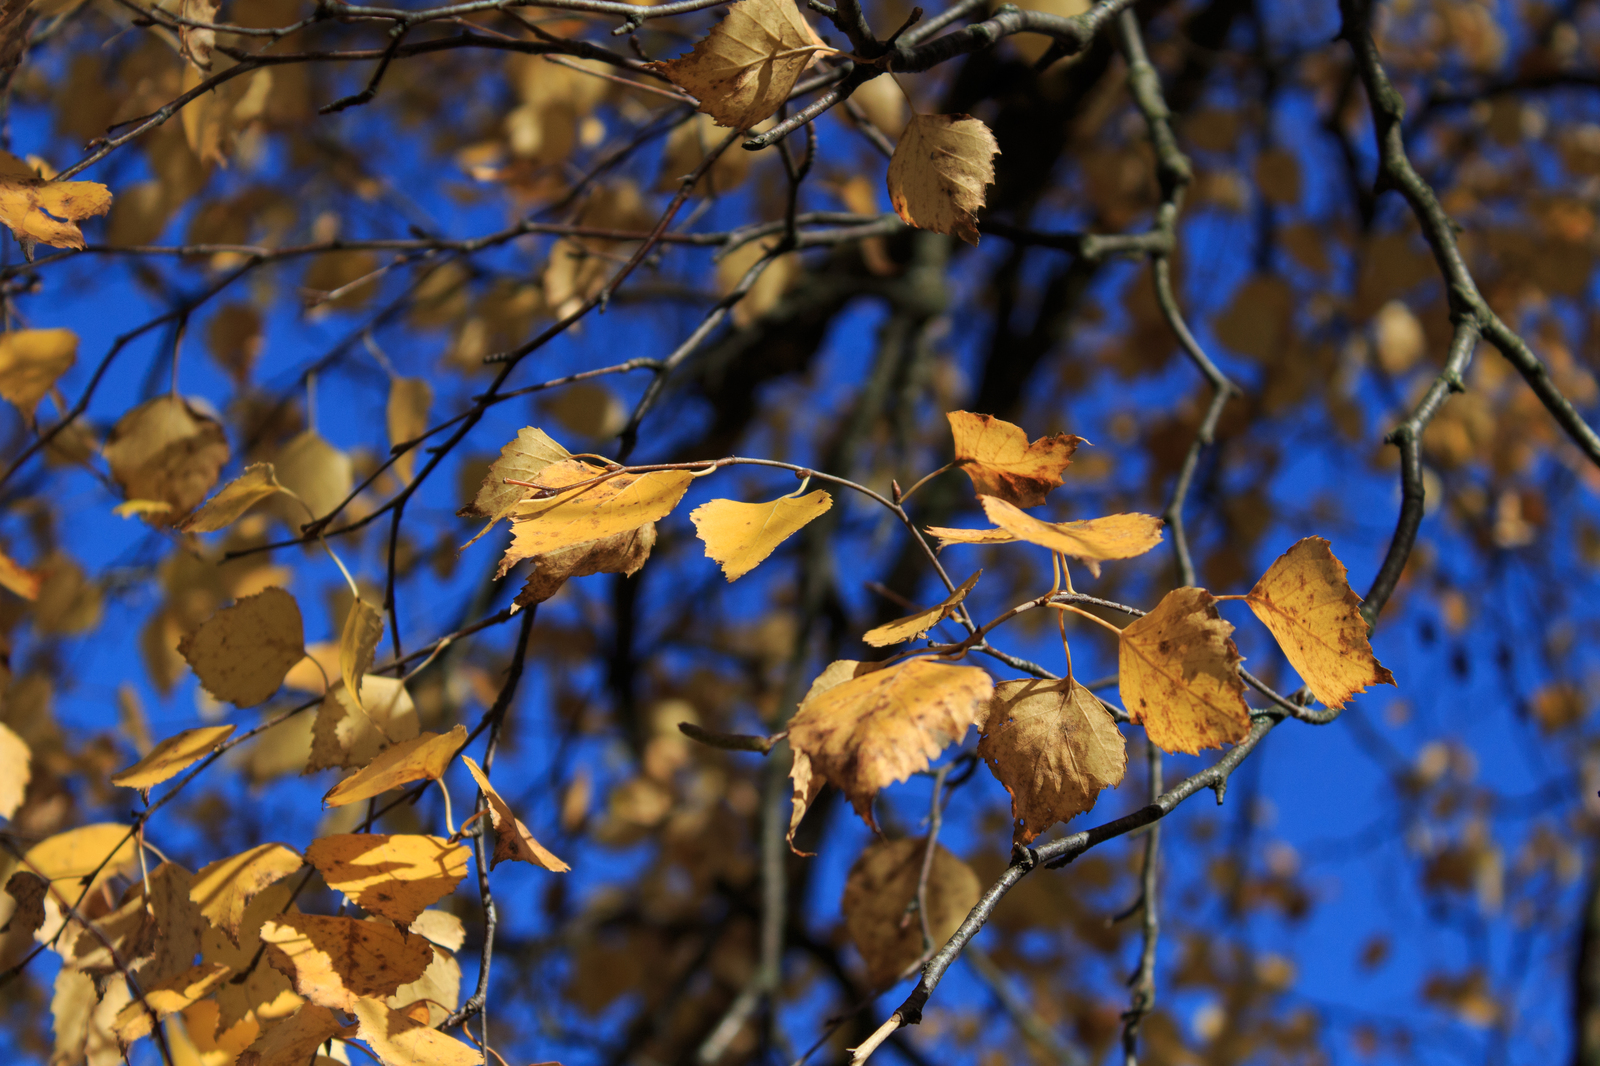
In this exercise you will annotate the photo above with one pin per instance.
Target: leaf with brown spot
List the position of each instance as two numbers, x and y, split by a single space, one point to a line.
916 626
591 511
224 889
31 362
997 457
258 482
937 175
294 1040
400 1041
739 536
397 877
623 553
511 838
333 962
168 451
1054 746
882 884
744 70
172 756
1118 536
424 758
1305 599
264 994
242 653
1179 675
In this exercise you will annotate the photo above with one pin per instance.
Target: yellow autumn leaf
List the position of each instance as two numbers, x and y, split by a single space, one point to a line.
1054 747
401 1041
744 70
1118 536
915 626
47 211
407 416
520 460
242 653
866 732
103 850
511 838
590 511
623 553
223 889
31 362
16 761
397 877
335 961
294 1040
19 579
1179 675
1305 599
938 173
438 990
166 450
318 476
882 884
348 735
264 994
739 536
363 628
414 760
997 457
258 482
172 756
168 997
949 536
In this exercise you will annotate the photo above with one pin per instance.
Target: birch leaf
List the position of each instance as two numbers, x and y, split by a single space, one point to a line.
172 756
1054 747
242 653
223 889
623 553
1118 536
520 460
407 416
294 1041
916 626
424 758
316 473
16 762
744 70
169 451
938 173
196 42
168 997
883 883
348 735
258 482
997 457
1179 675
333 962
866 733
511 838
396 877
1305 599
31 362
28 889
949 536
399 1041
103 850
47 212
590 511
363 628
739 536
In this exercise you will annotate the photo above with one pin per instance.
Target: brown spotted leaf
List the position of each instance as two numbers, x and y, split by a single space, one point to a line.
511 838
997 457
939 171
744 70
397 877
242 653
335 961
622 553
1179 675
882 884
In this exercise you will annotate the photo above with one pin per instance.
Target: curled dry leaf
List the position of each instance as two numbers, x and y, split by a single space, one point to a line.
19 579
172 756
407 415
223 889
1118 536
1054 746
47 212
31 362
348 735
398 1040
739 536
520 460
916 626
949 536
258 482
396 877
511 838
363 628
424 758
16 762
881 886
242 653
997 457
1305 599
1179 675
294 1040
28 889
167 451
866 732
623 553
335 961
744 70
196 42
938 173
592 511
169 996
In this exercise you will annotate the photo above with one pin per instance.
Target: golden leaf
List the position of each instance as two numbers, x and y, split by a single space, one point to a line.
623 553
916 626
264 994
31 362
363 628
877 728
103 850
949 536
19 579
168 997
883 883
407 415
511 838
47 211
335 961
520 460
739 536
591 511
241 653
294 1040
166 450
938 172
438 990
258 482
348 735
1118 536
319 475
1305 599
997 457
744 70
172 756
16 760
397 877
224 889
399 1041
1179 675
1054 747
413 760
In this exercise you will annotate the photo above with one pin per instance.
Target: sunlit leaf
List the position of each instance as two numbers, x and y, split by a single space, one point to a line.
915 626
997 457
400 1041
358 643
223 889
591 511
31 362
335 961
511 838
740 535
1118 536
1179 675
423 758
397 877
258 482
743 71
16 762
172 756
